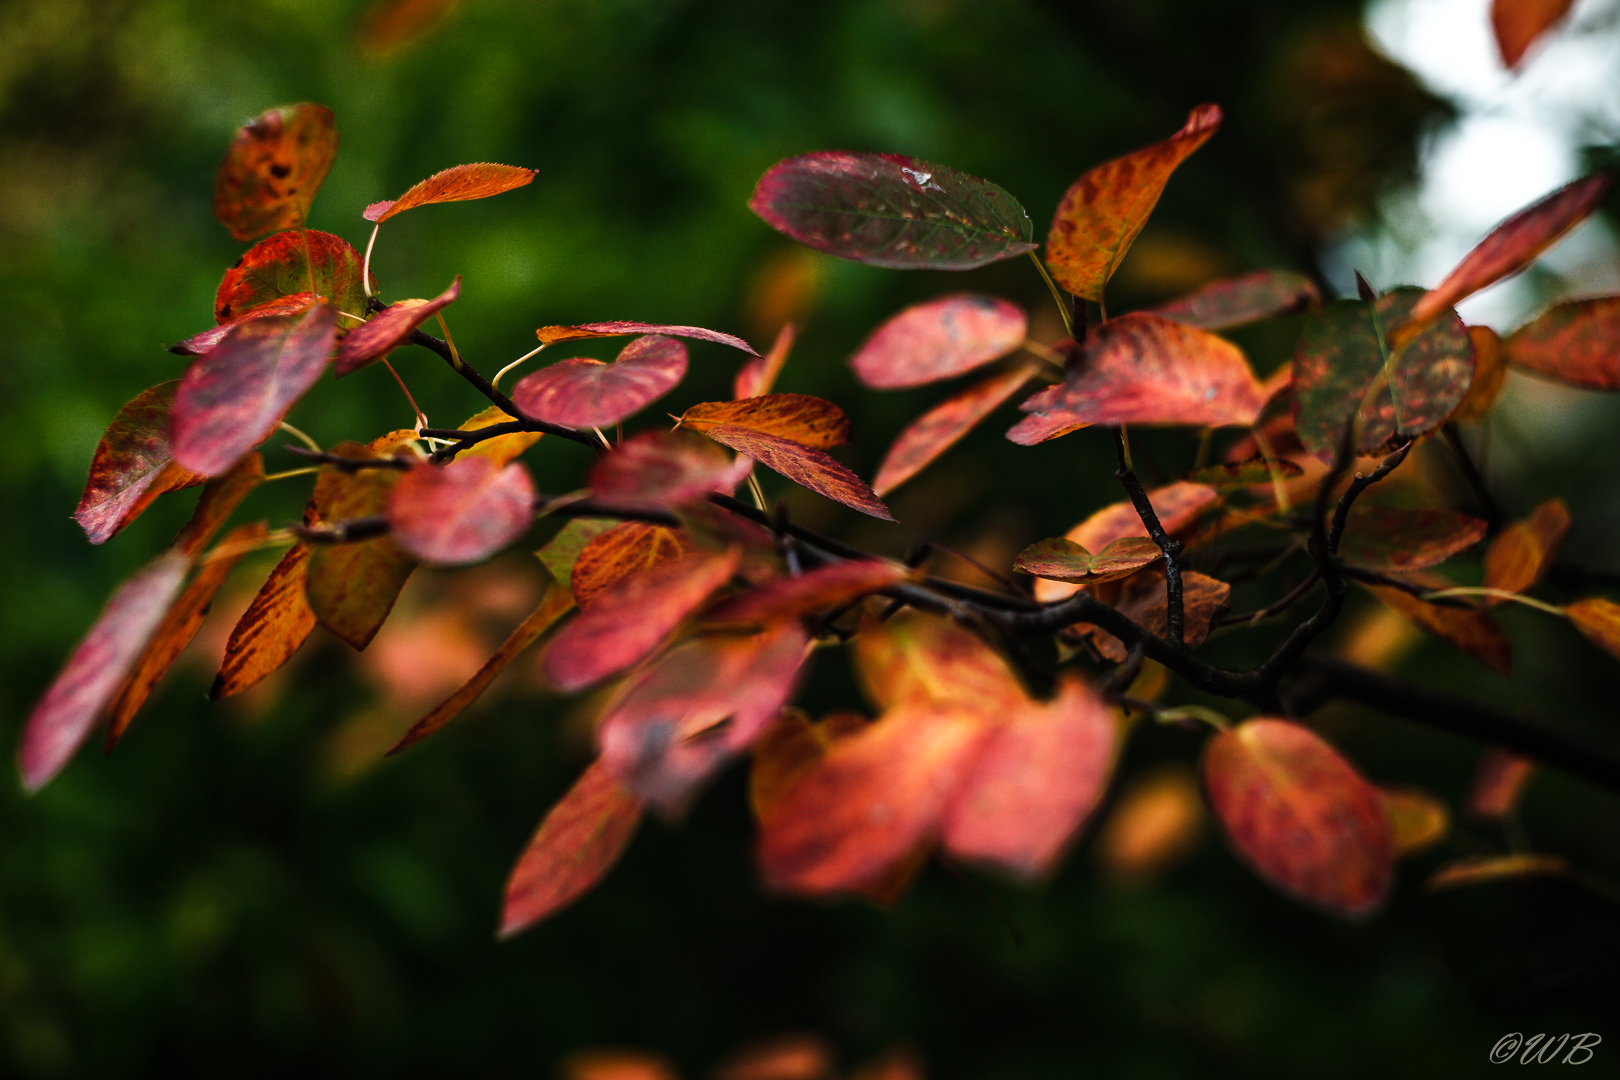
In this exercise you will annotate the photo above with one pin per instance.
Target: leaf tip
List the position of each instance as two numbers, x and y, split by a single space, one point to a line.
378 211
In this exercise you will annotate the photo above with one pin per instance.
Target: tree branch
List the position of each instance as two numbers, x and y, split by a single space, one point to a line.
1171 548
483 386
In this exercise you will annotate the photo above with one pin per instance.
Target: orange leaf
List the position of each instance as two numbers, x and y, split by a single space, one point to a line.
1575 342
458 183
1490 370
788 749
941 427
921 659
758 375
1101 214
799 418
1474 632
576 845
1522 553
1499 781
620 550
272 628
1203 600
392 25
1598 619
276 274
132 465
938 340
274 168
1483 869
1301 815
502 449
218 501
1141 369
1518 23
1417 820
1064 560
1155 822
389 329
804 465
550 335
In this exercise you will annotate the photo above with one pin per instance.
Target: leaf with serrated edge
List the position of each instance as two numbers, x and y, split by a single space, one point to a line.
274 168
1141 369
1525 550
939 340
550 335
233 397
97 669
809 421
1518 23
197 344
576 845
656 470
1576 342
555 602
459 183
622 549
1103 211
943 426
1300 815
1179 507
272 628
887 210
589 393
132 465
804 465
1599 620
463 512
502 449
1417 820
1485 869
758 375
1064 560
1238 301
628 621
279 268
389 329
1388 538
1475 632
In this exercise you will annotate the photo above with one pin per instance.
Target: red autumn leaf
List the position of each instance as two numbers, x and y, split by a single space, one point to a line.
559 554
938 340
459 183
758 375
804 465
893 211
1575 342
809 421
1143 599
589 393
1599 620
1475 632
1034 781
675 722
789 748
462 512
1105 209
1514 244
392 25
820 589
280 269
1179 507
1388 538
272 628
622 549
1238 301
1301 815
1141 369
574 848
389 329
274 168
629 620
1417 820
1246 473
554 604
1490 371
659 469
197 344
132 465
943 426
1064 560
233 397
1525 550
98 668
550 335
1499 782
1518 23
921 659
218 501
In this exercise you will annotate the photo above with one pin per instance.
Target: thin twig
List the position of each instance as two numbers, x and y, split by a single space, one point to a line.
481 384
350 464
1150 520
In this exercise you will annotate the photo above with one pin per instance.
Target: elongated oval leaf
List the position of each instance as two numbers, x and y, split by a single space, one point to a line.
197 344
1064 560
800 418
943 426
1388 538
550 335
588 393
272 628
132 465
659 469
1301 815
938 340
1238 301
463 512
1525 550
278 271
622 549
98 668
458 183
1105 209
820 589
576 845
1141 369
1599 619
1475 632
893 211
804 465
389 329
274 168
1575 342
1518 23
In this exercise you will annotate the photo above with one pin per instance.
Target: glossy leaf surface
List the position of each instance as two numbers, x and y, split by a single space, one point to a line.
1300 814
1518 23
659 469
1387 538
622 549
804 465
277 270
943 426
274 168
389 329
1475 632
272 628
550 335
1102 213
1599 620
938 340
462 512
893 211
1238 301
459 183
1064 560
809 421
1575 342
132 465
589 393
1525 550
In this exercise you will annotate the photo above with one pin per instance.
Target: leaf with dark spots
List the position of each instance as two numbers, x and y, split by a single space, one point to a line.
272 628
554 604
943 426
218 501
660 469
1141 369
502 448
821 589
550 335
1247 473
1475 632
1599 619
938 340
1576 342
1238 301
178 627
589 393
809 421
233 397
1525 550
279 269
132 465
459 183
1490 372
893 211
804 465
274 168
1341 376
1300 815
97 669
389 329
1064 560
1143 599
1388 538
197 344
622 549
629 620
758 375
463 512
1102 213
1518 23
576 845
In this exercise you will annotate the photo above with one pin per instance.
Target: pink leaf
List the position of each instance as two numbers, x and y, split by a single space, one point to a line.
463 512
389 329
550 335
659 469
943 426
804 465
588 393
938 340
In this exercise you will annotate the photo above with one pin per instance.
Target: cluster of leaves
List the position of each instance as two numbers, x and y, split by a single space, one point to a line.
705 612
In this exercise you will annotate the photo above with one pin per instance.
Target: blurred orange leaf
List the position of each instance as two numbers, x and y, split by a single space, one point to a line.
1499 782
809 421
1417 820
1598 619
274 168
1525 550
1576 342
272 628
1484 869
1518 23
1474 632
619 550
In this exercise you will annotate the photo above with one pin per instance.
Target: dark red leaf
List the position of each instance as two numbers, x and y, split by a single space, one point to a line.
1475 632
943 426
800 418
1576 342
1499 782
758 375
589 393
274 168
1387 538
462 512
272 628
132 465
1142 598
550 335
804 465
893 211
622 549
458 183
197 344
1237 301
659 469
938 340
389 329
279 269
820 589
1518 23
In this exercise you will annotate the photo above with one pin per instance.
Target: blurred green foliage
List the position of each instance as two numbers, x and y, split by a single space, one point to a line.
242 887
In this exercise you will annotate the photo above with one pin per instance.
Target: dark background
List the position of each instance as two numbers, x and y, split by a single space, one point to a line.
244 886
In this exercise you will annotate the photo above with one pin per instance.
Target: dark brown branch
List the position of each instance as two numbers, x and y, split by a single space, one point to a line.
1294 595
1470 472
1375 577
483 386
348 464
1171 548
344 532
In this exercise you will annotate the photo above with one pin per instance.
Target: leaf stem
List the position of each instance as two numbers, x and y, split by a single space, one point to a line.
1174 614
496 381
1499 594
455 357
288 474
365 266
421 417
300 436
1064 310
